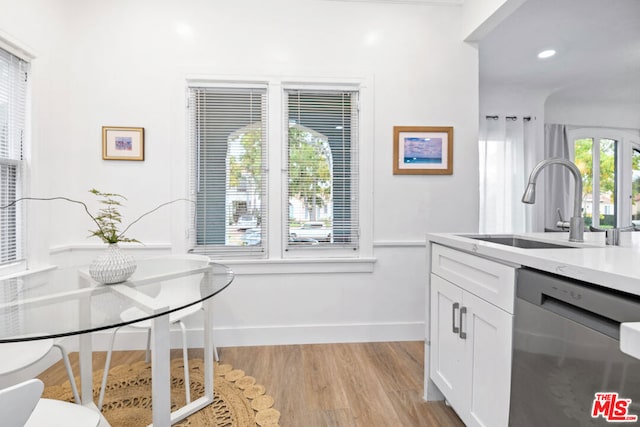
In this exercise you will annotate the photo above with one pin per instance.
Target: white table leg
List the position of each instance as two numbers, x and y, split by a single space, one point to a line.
161 372
85 349
85 354
86 369
208 349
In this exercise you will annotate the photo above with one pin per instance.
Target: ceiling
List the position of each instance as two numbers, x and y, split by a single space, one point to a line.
597 44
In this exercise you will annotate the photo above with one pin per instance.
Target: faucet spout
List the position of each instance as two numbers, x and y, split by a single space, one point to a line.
576 224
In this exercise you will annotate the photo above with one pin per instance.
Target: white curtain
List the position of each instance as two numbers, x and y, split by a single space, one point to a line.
559 185
503 175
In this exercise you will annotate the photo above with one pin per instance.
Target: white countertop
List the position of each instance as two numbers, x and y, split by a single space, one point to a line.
616 267
630 339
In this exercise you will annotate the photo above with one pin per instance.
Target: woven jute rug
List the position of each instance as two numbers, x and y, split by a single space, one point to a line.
238 400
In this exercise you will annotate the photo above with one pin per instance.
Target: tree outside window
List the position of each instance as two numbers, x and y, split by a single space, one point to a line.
635 187
309 171
597 157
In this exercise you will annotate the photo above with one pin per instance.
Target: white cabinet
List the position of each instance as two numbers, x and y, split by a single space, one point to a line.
447 347
470 355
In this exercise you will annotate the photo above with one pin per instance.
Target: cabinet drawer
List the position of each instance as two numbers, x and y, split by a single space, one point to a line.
489 280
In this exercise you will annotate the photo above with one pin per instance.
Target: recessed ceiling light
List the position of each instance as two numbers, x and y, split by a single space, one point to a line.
546 54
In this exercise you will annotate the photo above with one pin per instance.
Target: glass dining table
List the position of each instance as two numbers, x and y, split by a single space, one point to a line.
60 302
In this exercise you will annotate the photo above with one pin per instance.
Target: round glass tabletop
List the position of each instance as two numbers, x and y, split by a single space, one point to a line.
67 301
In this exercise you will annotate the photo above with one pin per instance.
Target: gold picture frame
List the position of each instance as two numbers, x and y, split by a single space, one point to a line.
122 143
422 150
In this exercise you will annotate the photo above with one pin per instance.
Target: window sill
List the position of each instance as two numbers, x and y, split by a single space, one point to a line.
254 266
300 266
5 275
55 250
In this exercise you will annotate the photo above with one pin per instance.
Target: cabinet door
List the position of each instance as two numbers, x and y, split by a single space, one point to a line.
487 351
446 347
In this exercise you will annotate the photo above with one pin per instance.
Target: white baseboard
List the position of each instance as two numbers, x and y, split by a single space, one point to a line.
319 334
135 339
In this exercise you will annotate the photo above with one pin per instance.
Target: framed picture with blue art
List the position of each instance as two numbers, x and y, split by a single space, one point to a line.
122 143
419 150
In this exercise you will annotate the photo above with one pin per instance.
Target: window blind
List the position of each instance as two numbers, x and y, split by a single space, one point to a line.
13 93
322 169
229 178
12 315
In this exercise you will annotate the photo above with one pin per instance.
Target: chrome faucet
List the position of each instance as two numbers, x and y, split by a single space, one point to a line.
576 223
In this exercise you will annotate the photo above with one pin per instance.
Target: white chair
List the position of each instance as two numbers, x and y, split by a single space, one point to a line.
172 293
21 406
19 355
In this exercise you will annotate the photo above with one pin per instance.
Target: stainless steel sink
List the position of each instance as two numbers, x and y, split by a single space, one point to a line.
519 242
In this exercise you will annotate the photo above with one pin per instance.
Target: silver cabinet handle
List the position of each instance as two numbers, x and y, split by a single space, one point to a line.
453 317
463 335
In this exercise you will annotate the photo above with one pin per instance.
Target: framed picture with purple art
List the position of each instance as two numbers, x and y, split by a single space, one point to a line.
122 143
419 150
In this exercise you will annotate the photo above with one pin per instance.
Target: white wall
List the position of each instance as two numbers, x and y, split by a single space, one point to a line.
593 113
123 63
482 16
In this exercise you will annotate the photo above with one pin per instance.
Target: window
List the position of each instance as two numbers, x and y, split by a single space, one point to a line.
635 186
315 200
609 161
13 93
322 197
596 159
228 137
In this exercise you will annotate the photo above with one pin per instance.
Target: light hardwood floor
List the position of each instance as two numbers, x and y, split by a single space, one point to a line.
322 385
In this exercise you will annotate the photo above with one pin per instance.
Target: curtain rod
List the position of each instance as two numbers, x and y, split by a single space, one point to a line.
510 118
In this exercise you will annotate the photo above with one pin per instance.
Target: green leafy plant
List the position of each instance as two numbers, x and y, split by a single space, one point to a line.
108 218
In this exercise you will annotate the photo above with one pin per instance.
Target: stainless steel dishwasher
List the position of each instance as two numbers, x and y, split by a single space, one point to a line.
566 349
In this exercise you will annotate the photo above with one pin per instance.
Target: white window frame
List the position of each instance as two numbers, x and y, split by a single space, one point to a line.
278 260
626 141
230 251
315 251
626 184
25 53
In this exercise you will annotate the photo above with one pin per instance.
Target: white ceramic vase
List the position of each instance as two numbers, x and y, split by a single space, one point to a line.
112 266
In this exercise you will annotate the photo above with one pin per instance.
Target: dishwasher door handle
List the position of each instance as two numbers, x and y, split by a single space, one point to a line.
590 305
584 317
